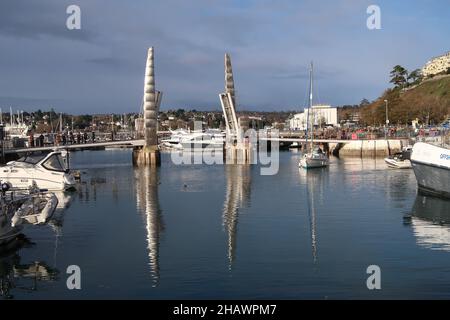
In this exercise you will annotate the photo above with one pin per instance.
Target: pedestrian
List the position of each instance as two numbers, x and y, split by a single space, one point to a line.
31 140
85 137
64 139
41 140
78 137
93 136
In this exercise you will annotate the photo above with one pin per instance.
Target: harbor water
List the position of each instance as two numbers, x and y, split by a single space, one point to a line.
227 232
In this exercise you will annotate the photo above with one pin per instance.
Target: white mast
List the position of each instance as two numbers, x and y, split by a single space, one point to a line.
311 105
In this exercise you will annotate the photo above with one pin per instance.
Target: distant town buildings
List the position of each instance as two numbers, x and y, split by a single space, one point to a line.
321 115
437 65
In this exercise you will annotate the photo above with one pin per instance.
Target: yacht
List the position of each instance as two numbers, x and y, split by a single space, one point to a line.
431 165
173 142
314 157
17 127
47 171
400 160
199 139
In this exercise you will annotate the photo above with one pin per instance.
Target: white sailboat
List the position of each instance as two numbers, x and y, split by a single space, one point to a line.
314 157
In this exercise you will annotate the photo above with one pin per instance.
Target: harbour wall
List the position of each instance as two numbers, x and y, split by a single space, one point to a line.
368 148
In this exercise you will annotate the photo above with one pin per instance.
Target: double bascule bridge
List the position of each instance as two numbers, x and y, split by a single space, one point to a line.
237 148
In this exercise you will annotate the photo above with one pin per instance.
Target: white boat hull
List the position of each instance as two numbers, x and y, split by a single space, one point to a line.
44 172
431 165
21 182
398 164
309 162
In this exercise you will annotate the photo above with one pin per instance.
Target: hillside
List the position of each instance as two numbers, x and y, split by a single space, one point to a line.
428 100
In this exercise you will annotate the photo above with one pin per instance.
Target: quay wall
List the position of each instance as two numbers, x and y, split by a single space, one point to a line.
369 148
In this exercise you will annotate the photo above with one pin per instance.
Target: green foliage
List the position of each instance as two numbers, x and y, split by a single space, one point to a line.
399 76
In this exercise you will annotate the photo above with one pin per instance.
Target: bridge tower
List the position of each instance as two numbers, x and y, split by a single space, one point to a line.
149 154
228 100
238 149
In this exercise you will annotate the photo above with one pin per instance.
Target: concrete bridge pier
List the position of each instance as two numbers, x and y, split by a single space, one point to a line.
146 156
239 153
149 154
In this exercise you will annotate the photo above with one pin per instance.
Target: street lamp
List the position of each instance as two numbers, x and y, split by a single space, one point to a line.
387 120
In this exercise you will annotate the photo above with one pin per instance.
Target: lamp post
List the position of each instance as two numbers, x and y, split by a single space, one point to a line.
387 120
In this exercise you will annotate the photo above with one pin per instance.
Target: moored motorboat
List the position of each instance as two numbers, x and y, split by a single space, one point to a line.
431 165
47 171
36 209
400 160
183 140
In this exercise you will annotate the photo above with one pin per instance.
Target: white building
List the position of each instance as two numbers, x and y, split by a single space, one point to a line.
437 65
321 115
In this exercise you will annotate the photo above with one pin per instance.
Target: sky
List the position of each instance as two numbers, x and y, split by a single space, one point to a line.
100 68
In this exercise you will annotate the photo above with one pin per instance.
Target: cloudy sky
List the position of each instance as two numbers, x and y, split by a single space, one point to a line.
100 68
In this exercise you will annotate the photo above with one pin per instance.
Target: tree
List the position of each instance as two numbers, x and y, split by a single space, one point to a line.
414 76
364 102
398 76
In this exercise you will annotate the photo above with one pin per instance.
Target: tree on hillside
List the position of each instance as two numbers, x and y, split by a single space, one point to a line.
364 102
399 76
414 76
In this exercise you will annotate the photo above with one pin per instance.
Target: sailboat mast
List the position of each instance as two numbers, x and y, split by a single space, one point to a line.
311 104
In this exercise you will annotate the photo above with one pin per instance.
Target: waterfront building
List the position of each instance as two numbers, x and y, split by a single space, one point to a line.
437 65
323 115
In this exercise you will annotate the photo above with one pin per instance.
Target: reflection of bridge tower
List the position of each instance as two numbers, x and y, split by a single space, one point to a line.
237 196
147 202
149 154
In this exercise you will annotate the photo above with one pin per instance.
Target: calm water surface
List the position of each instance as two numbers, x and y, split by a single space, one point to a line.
198 231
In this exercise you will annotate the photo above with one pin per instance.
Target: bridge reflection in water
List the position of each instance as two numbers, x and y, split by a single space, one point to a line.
147 202
238 190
